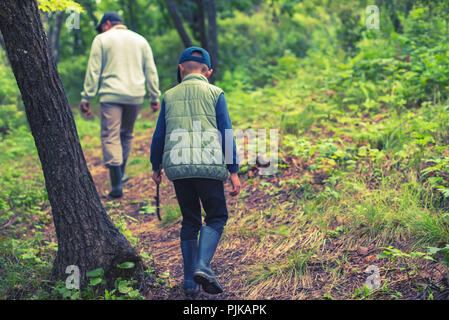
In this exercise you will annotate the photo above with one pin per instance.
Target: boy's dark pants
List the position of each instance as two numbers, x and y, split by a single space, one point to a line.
210 192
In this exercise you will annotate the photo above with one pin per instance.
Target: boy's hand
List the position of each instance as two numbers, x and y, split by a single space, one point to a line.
157 176
85 108
235 181
155 106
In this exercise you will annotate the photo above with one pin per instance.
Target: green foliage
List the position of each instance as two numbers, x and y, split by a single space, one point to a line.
72 72
349 32
120 220
170 214
363 293
437 175
24 264
166 49
58 5
148 209
260 42
432 254
123 288
394 254
443 254
9 91
364 132
23 197
11 118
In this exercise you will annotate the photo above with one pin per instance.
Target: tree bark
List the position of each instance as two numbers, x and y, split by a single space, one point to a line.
213 40
132 6
90 7
2 42
202 24
171 6
58 20
86 235
129 16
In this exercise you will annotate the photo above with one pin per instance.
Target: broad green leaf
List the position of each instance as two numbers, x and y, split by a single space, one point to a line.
95 281
95 273
126 265
123 287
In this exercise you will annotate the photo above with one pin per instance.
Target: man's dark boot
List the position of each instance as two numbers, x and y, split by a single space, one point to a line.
203 274
115 174
189 251
125 178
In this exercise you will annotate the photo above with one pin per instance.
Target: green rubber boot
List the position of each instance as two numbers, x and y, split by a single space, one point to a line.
125 177
203 274
115 174
189 250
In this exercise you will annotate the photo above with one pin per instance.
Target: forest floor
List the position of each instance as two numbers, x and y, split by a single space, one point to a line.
266 251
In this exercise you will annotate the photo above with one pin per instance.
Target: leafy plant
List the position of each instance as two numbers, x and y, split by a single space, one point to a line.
394 254
148 209
444 252
363 293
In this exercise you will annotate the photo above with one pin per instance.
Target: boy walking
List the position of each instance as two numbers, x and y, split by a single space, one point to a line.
190 143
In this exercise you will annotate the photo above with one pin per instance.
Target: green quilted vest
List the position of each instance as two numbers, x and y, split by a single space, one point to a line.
192 146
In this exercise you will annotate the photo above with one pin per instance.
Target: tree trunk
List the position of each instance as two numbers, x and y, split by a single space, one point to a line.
132 7
391 9
59 18
408 7
202 24
213 40
171 6
2 42
87 238
163 10
90 6
129 16
75 42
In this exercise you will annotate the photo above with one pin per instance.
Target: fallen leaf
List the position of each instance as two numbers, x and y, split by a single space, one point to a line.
363 251
370 259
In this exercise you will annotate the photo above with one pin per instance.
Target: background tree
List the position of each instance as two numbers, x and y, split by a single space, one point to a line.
177 21
205 29
86 235
54 26
212 39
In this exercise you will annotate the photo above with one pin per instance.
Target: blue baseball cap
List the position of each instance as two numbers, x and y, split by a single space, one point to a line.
108 16
187 55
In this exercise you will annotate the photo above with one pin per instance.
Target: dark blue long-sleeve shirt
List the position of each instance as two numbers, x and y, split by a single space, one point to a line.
223 124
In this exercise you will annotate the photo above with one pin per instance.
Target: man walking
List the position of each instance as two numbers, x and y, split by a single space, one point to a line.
120 66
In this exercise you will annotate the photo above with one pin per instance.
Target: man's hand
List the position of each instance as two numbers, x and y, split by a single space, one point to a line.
155 106
157 176
85 108
235 181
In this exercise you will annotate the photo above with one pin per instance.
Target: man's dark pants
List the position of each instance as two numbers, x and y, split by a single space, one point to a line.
210 192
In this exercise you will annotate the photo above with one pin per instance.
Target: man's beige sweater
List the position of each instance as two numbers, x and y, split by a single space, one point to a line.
120 66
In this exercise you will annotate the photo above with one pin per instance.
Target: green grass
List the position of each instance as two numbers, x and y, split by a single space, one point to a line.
24 266
170 214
